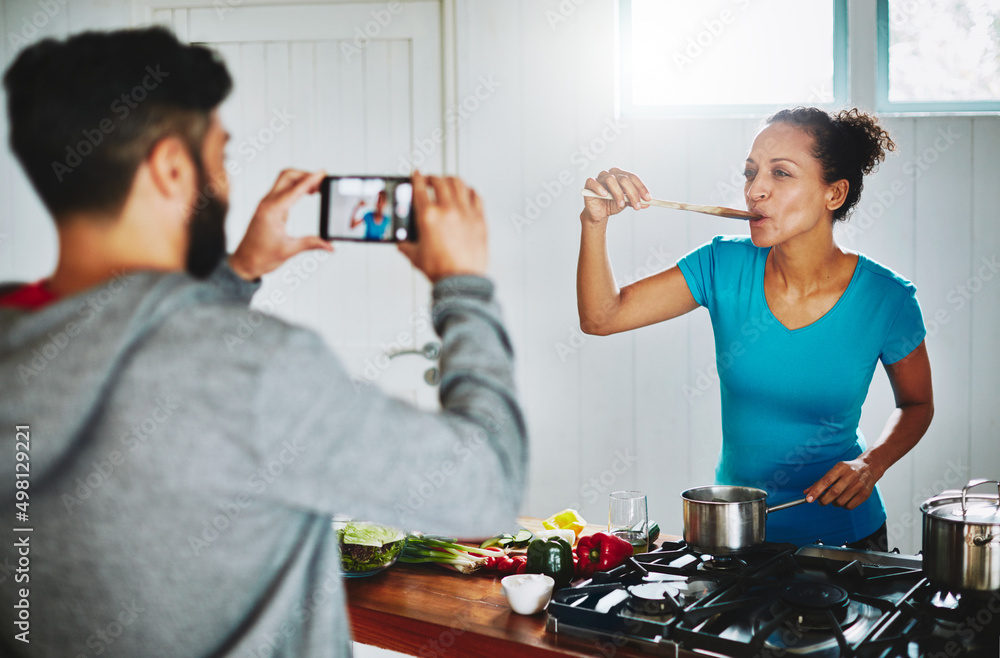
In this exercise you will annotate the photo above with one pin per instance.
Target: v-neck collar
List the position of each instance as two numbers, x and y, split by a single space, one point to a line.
767 307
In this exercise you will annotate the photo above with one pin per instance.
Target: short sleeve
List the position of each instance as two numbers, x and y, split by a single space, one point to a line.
698 268
906 331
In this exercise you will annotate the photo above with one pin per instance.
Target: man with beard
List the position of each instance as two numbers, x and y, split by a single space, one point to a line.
179 494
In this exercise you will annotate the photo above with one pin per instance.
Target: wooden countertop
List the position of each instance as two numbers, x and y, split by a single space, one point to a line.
426 610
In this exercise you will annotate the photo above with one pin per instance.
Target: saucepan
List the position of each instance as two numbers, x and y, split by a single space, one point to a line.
722 520
961 539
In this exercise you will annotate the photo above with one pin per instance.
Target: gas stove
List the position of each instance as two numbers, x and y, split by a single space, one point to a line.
778 600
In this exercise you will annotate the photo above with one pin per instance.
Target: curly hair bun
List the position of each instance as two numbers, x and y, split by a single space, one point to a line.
869 139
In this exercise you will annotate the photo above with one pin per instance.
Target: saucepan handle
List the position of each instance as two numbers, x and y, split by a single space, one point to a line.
791 503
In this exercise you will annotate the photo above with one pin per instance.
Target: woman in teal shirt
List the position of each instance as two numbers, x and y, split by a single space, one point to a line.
799 322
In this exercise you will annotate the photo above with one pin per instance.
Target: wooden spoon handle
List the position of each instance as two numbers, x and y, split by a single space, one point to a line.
718 211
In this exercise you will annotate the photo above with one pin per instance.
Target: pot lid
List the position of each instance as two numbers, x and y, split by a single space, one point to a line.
976 510
964 507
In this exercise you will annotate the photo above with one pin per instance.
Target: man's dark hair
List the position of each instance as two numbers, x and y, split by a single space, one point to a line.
85 112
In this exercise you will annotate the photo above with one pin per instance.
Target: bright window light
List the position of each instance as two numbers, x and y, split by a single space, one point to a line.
728 53
944 50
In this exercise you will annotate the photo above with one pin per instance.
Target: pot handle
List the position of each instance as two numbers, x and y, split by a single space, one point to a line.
791 503
976 483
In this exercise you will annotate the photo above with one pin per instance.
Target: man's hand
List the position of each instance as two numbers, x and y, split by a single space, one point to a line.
266 245
451 229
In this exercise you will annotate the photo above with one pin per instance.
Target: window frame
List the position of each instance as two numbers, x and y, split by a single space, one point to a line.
882 102
623 88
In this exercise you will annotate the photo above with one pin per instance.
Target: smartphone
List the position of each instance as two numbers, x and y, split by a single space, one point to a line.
367 209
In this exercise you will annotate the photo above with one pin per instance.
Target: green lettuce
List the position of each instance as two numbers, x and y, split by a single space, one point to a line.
368 547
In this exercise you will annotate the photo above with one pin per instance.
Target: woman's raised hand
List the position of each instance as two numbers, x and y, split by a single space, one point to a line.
621 188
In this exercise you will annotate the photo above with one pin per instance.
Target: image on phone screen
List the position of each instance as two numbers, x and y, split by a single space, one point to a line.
366 208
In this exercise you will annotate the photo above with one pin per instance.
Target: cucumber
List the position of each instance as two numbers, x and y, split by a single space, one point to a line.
500 541
522 538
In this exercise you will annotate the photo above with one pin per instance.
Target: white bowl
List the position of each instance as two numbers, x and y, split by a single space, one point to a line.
528 593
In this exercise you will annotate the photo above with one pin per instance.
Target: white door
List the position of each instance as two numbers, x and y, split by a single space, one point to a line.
349 88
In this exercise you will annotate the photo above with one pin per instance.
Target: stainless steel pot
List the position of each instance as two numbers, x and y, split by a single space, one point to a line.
961 539
723 520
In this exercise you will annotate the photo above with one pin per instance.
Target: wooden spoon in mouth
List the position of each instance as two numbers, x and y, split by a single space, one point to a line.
718 211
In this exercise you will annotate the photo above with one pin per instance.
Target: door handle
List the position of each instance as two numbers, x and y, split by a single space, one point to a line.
430 351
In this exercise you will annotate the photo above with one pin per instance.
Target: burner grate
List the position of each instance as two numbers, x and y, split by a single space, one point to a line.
929 621
773 600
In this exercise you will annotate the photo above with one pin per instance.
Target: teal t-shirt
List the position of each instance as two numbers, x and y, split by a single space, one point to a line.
791 400
375 230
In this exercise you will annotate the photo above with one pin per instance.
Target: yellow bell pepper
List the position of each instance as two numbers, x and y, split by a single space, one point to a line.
568 518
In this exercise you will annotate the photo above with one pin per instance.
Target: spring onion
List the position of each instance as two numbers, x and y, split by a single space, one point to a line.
421 549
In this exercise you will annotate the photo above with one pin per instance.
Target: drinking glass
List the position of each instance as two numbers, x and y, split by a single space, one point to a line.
627 518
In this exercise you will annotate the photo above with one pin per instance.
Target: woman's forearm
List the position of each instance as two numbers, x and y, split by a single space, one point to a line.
603 308
597 294
905 427
848 484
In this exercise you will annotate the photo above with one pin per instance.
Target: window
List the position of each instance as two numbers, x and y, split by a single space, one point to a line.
938 55
716 57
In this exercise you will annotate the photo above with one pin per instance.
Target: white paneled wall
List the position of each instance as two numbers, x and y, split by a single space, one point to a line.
535 116
309 95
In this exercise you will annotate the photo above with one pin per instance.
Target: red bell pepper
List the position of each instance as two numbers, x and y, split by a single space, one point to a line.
601 552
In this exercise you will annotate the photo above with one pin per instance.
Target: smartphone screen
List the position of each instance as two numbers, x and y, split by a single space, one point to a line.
367 209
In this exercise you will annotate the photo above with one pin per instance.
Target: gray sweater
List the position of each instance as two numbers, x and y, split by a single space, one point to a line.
182 482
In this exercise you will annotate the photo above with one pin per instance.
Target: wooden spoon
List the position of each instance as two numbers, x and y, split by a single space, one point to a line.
718 211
